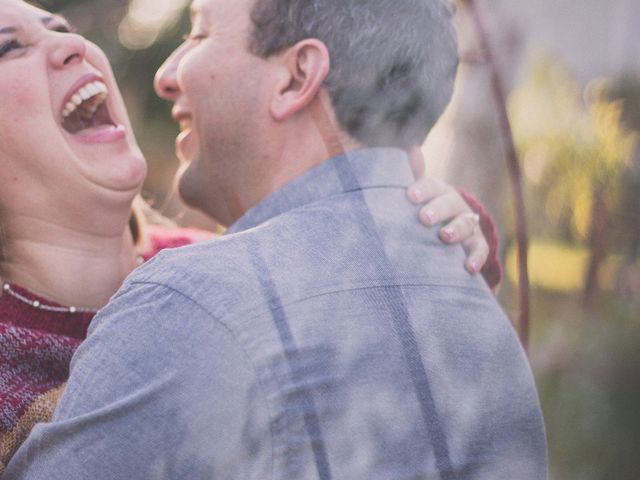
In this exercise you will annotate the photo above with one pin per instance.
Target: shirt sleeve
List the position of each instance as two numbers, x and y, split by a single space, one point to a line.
492 269
159 390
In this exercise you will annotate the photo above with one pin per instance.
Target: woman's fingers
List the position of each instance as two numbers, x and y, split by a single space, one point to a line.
465 228
445 206
427 188
443 203
477 250
461 228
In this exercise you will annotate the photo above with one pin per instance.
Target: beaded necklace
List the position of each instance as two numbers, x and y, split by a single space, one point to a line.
6 287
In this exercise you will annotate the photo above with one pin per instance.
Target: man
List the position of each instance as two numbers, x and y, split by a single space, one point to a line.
308 343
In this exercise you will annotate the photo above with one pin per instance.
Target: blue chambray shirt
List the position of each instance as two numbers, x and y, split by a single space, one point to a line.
327 336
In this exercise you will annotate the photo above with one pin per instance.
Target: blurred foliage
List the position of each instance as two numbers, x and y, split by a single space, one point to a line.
569 141
587 365
627 90
560 267
575 142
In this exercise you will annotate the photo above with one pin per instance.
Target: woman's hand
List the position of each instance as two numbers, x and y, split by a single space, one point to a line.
444 204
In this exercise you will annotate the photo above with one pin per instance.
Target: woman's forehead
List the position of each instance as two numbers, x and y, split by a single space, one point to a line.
14 13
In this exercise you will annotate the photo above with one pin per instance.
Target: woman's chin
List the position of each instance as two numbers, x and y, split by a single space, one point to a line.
128 177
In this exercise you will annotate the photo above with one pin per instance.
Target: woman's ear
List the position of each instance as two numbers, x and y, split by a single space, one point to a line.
305 68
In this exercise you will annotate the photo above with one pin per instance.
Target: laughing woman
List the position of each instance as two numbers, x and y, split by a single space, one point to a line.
70 170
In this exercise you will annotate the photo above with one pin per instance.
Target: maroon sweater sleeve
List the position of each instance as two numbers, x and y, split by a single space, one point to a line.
492 269
160 237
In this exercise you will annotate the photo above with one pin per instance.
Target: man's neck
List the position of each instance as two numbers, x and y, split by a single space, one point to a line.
68 266
282 151
319 140
312 141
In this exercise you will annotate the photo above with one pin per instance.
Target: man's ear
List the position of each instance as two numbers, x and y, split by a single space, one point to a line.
305 67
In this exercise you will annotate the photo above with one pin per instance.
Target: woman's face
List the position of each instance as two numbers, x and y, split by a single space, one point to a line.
64 130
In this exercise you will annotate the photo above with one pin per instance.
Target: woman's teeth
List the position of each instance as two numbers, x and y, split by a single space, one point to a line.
95 91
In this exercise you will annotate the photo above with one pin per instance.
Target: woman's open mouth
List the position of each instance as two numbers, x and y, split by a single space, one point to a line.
87 108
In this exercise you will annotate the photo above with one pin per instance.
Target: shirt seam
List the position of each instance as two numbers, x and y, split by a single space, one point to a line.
267 305
283 304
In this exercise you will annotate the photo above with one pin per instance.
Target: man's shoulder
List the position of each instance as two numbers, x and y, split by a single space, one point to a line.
233 255
339 242
217 269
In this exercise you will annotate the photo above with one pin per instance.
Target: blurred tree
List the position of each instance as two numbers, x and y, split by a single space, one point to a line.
513 167
575 149
627 90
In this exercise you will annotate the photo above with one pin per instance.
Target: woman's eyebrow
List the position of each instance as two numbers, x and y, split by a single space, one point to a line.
53 18
45 21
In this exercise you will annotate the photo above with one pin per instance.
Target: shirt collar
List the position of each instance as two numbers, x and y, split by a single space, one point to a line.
355 170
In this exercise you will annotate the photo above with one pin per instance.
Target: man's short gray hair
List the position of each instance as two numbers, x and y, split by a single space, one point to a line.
393 62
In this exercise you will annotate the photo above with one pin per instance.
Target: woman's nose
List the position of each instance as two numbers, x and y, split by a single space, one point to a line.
166 79
67 48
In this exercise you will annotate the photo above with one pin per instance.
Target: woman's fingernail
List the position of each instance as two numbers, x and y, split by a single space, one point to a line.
449 234
428 217
474 267
416 195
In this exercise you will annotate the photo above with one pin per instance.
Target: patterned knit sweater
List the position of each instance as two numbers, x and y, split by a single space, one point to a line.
36 347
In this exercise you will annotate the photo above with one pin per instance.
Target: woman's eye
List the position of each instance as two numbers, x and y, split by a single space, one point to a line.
9 46
62 29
